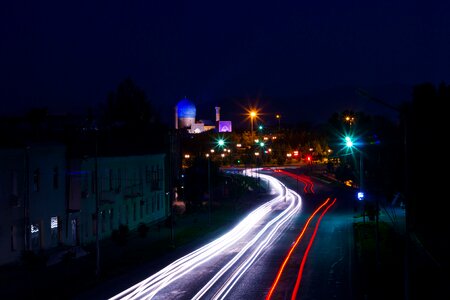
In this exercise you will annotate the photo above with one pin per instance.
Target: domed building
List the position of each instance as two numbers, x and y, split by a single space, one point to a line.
185 118
185 112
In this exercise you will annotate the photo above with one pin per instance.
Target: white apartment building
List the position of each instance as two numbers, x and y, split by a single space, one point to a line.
32 199
48 200
130 191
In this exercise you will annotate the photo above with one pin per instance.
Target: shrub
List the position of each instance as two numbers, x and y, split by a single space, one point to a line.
31 259
120 235
143 230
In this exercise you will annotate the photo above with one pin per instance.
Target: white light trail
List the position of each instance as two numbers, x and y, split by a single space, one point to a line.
149 287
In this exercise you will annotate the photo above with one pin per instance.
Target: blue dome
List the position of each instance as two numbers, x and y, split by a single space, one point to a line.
186 109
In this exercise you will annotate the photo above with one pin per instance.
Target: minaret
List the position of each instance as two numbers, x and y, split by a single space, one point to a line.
176 117
217 114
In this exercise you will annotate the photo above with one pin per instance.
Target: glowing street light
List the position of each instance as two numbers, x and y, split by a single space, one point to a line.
350 144
253 114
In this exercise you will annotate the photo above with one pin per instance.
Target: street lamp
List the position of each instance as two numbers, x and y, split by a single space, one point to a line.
252 116
350 145
209 187
278 116
97 209
402 112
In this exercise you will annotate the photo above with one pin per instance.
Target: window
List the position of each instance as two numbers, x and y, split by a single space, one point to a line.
156 177
36 180
103 218
147 175
119 181
35 236
13 239
158 202
74 231
85 186
54 228
111 219
93 181
111 180
14 183
55 178
94 224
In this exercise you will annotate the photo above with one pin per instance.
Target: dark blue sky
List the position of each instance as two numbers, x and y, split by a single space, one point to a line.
293 57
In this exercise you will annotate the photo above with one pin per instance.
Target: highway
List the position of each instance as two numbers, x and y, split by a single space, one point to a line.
293 246
216 270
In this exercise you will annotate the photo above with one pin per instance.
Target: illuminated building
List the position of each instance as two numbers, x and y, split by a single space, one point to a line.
185 118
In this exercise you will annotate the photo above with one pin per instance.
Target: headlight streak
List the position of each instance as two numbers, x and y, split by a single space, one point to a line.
194 259
279 221
152 285
231 282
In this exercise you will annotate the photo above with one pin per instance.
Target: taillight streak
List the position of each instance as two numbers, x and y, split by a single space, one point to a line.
288 256
305 255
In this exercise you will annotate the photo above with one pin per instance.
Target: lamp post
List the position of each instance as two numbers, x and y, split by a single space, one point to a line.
97 208
402 114
252 116
209 187
350 145
169 204
278 116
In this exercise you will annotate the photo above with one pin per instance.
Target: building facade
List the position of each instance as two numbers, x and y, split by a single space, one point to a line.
128 190
48 200
32 199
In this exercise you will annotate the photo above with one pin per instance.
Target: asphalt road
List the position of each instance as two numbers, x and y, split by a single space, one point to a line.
328 269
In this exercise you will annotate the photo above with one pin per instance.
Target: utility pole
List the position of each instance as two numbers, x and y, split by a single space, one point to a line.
209 189
97 208
172 229
26 205
402 113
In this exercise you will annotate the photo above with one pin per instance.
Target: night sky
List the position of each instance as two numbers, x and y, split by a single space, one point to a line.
303 59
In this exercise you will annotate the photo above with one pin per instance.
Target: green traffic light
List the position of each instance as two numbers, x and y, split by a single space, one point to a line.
221 142
348 142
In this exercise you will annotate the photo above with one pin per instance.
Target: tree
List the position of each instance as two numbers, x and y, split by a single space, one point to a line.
37 117
128 107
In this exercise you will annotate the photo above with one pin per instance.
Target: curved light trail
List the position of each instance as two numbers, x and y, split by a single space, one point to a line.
252 249
305 254
273 227
308 184
294 245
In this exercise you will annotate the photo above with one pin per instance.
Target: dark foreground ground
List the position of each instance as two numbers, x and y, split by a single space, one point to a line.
382 257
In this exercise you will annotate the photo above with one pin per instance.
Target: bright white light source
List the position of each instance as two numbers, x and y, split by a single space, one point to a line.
54 222
360 195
